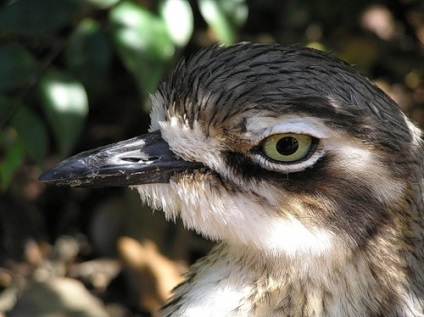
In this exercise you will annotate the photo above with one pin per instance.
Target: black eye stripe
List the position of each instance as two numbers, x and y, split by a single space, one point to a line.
246 167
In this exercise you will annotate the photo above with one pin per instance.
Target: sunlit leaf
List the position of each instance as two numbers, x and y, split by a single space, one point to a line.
17 67
101 4
32 133
224 17
13 155
178 17
143 43
88 55
36 17
316 45
66 106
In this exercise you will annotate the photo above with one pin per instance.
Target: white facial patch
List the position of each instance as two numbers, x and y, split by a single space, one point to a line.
236 218
297 238
191 143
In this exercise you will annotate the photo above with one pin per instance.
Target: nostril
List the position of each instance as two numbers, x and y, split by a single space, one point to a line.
139 159
131 159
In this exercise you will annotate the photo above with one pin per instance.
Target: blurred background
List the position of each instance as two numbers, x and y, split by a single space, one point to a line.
77 74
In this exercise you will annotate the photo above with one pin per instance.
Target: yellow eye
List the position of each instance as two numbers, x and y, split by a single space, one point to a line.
287 147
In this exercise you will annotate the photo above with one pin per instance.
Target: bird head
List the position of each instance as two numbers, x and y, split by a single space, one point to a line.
282 149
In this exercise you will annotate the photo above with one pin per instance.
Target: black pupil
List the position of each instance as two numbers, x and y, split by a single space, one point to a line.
287 145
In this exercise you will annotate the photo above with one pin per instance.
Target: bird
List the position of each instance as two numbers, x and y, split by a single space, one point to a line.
305 173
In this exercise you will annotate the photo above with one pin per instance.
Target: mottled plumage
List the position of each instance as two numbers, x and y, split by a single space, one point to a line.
337 232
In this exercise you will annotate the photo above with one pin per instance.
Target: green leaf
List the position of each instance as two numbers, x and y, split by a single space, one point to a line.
66 106
143 43
32 133
14 154
224 17
36 17
178 18
17 67
25 135
88 55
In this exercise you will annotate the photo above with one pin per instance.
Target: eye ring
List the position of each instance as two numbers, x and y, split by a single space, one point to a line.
288 147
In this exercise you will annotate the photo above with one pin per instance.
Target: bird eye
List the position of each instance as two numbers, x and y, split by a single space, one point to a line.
287 147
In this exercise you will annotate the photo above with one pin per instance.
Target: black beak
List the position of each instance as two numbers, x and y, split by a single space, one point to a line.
145 159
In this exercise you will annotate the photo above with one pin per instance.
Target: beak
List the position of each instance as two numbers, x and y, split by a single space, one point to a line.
145 159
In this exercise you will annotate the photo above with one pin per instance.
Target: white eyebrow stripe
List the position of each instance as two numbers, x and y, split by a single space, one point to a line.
258 128
297 127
